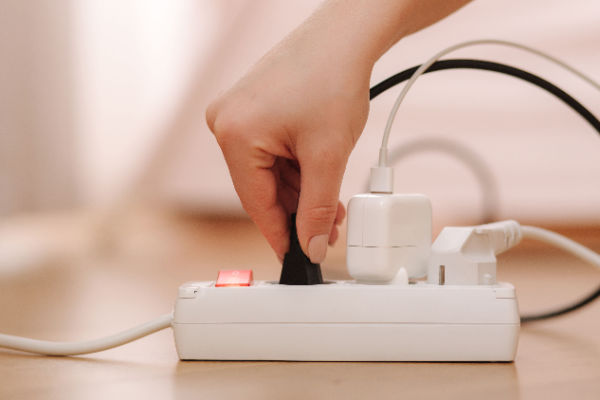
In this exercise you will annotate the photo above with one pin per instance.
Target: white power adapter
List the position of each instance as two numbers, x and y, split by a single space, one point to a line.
387 232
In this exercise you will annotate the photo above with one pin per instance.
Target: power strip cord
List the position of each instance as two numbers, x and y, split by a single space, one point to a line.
85 347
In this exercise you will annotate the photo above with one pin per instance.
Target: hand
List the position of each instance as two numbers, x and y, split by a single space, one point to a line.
286 130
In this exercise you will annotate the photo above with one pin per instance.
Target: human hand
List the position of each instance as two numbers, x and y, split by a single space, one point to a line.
286 130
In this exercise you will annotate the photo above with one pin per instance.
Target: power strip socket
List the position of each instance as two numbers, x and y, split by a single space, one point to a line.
346 321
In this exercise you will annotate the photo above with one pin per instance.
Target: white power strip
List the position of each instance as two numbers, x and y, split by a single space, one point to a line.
346 321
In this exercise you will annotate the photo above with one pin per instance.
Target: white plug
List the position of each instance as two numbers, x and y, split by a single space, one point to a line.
467 255
381 180
387 232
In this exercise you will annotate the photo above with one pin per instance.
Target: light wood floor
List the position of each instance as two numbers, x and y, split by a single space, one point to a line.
132 276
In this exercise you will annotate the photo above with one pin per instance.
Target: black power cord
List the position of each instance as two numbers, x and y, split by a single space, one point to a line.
495 67
564 310
526 76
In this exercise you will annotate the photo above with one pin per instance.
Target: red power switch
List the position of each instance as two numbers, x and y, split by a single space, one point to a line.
229 278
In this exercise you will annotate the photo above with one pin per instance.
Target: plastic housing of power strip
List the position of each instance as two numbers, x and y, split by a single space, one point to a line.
346 321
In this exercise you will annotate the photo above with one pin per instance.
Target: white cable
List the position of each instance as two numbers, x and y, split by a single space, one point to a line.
85 347
562 242
474 161
428 63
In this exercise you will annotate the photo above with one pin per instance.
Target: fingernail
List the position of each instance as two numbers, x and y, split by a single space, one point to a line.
317 248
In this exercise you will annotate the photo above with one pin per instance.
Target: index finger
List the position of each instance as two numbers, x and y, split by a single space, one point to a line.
257 187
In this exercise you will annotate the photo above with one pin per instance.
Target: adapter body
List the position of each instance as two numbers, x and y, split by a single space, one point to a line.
387 232
346 321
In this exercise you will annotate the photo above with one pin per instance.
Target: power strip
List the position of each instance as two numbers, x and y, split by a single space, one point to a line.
459 314
346 321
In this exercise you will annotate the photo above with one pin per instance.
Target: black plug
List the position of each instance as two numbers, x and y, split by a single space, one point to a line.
297 268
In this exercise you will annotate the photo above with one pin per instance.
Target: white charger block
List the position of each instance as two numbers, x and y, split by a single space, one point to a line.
387 232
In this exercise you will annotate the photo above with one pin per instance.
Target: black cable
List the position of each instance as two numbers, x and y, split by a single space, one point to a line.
526 76
551 314
495 67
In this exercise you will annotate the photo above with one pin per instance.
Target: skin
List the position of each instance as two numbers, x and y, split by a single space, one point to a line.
288 126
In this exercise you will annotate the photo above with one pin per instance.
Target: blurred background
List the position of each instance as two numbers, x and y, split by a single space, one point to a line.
102 113
113 191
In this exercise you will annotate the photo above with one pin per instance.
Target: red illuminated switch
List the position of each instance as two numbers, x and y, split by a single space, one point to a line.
228 278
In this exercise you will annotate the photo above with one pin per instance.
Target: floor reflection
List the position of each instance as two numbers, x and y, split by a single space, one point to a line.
353 380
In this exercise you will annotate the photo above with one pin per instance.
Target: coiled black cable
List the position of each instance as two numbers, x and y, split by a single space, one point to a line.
526 76
495 67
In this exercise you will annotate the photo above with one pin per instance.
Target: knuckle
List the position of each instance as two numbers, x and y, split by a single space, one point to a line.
320 214
211 115
230 129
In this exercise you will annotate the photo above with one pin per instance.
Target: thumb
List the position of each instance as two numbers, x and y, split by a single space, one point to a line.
321 176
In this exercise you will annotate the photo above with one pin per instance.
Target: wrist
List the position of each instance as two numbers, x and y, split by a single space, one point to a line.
359 31
330 36
366 29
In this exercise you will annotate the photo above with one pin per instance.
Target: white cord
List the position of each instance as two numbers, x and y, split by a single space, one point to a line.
428 63
475 162
85 347
562 242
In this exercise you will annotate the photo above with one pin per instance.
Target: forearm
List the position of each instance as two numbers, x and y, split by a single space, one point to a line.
361 31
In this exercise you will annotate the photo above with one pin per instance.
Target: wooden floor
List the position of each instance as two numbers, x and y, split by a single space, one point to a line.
129 273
